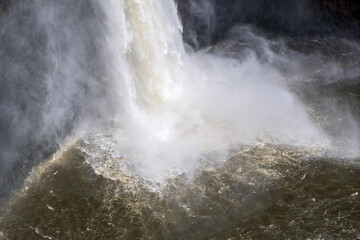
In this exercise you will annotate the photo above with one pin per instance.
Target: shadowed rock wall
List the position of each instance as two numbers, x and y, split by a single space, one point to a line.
276 17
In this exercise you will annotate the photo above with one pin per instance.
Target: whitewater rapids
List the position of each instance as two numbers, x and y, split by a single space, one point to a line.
233 141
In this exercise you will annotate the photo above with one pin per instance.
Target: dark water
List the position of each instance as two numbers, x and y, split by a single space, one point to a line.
263 192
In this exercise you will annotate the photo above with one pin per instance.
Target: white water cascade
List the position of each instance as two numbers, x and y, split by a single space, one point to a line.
175 108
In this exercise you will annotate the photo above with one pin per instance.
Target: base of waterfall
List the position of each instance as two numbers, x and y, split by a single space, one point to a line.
261 191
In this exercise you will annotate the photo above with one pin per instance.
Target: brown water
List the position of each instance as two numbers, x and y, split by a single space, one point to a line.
262 192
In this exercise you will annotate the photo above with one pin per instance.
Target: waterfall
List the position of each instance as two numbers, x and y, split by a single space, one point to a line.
175 107
122 67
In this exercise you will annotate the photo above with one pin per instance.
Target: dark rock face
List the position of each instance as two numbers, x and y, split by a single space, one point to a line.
276 17
4 4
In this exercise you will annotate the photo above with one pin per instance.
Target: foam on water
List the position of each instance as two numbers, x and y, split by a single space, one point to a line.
183 144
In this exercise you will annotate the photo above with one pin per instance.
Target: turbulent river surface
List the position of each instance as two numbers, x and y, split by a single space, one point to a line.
261 192
254 137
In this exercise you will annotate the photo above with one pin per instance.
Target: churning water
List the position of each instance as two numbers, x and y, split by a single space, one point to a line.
248 139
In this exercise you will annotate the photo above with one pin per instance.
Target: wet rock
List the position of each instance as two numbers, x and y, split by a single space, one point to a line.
276 17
